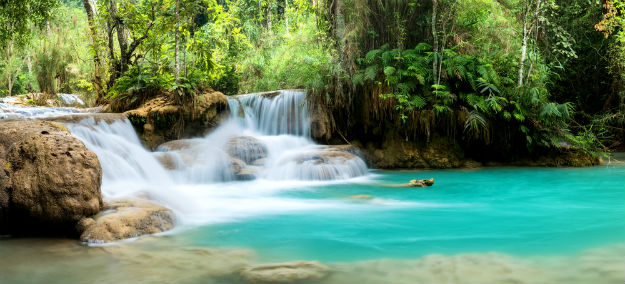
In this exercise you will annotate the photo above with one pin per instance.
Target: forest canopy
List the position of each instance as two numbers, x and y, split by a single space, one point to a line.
506 75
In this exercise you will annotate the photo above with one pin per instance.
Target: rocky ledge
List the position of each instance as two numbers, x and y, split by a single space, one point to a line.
161 119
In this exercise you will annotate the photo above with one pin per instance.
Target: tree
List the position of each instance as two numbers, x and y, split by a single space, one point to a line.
530 25
17 17
93 32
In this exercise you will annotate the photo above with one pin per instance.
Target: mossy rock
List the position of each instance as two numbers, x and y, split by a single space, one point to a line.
161 119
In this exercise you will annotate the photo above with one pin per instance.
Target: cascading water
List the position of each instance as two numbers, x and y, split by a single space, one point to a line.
205 180
266 137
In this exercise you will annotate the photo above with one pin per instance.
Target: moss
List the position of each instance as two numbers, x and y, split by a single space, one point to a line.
59 126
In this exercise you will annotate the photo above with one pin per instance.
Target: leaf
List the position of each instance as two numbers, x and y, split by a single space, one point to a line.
389 70
371 55
371 72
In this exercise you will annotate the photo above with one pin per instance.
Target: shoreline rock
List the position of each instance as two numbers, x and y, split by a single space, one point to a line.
49 179
126 218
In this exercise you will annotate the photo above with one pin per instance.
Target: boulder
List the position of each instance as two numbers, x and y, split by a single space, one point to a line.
247 173
236 165
321 122
49 179
337 154
246 148
162 119
287 272
176 145
126 218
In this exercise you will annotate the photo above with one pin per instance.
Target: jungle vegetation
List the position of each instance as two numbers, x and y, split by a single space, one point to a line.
498 76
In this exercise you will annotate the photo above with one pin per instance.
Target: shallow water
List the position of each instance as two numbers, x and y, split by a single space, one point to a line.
499 225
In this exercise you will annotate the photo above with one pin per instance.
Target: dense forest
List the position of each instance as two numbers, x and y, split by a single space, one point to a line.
513 77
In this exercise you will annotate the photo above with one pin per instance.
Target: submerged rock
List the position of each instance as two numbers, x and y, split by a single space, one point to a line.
176 145
246 148
360 197
247 173
320 163
286 272
124 219
49 179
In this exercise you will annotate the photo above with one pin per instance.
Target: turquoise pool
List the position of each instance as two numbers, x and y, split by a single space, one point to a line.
519 211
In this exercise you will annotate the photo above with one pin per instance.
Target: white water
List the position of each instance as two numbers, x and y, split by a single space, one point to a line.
10 111
200 184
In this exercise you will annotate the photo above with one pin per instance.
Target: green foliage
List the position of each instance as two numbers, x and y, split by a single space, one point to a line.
17 17
141 81
469 83
298 60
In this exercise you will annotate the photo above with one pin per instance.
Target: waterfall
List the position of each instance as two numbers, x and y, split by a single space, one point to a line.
206 179
268 137
274 113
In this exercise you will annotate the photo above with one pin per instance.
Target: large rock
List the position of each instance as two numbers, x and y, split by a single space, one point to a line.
246 148
49 179
321 122
124 219
287 272
327 155
161 119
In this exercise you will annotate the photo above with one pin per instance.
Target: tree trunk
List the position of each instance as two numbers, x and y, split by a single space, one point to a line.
339 34
537 25
96 55
523 47
434 41
177 39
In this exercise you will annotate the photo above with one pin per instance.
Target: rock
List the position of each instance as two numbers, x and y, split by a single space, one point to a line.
259 162
247 173
471 164
421 182
236 165
161 119
70 100
328 155
563 158
397 153
287 272
49 179
320 163
360 197
246 148
321 123
415 183
175 145
126 218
